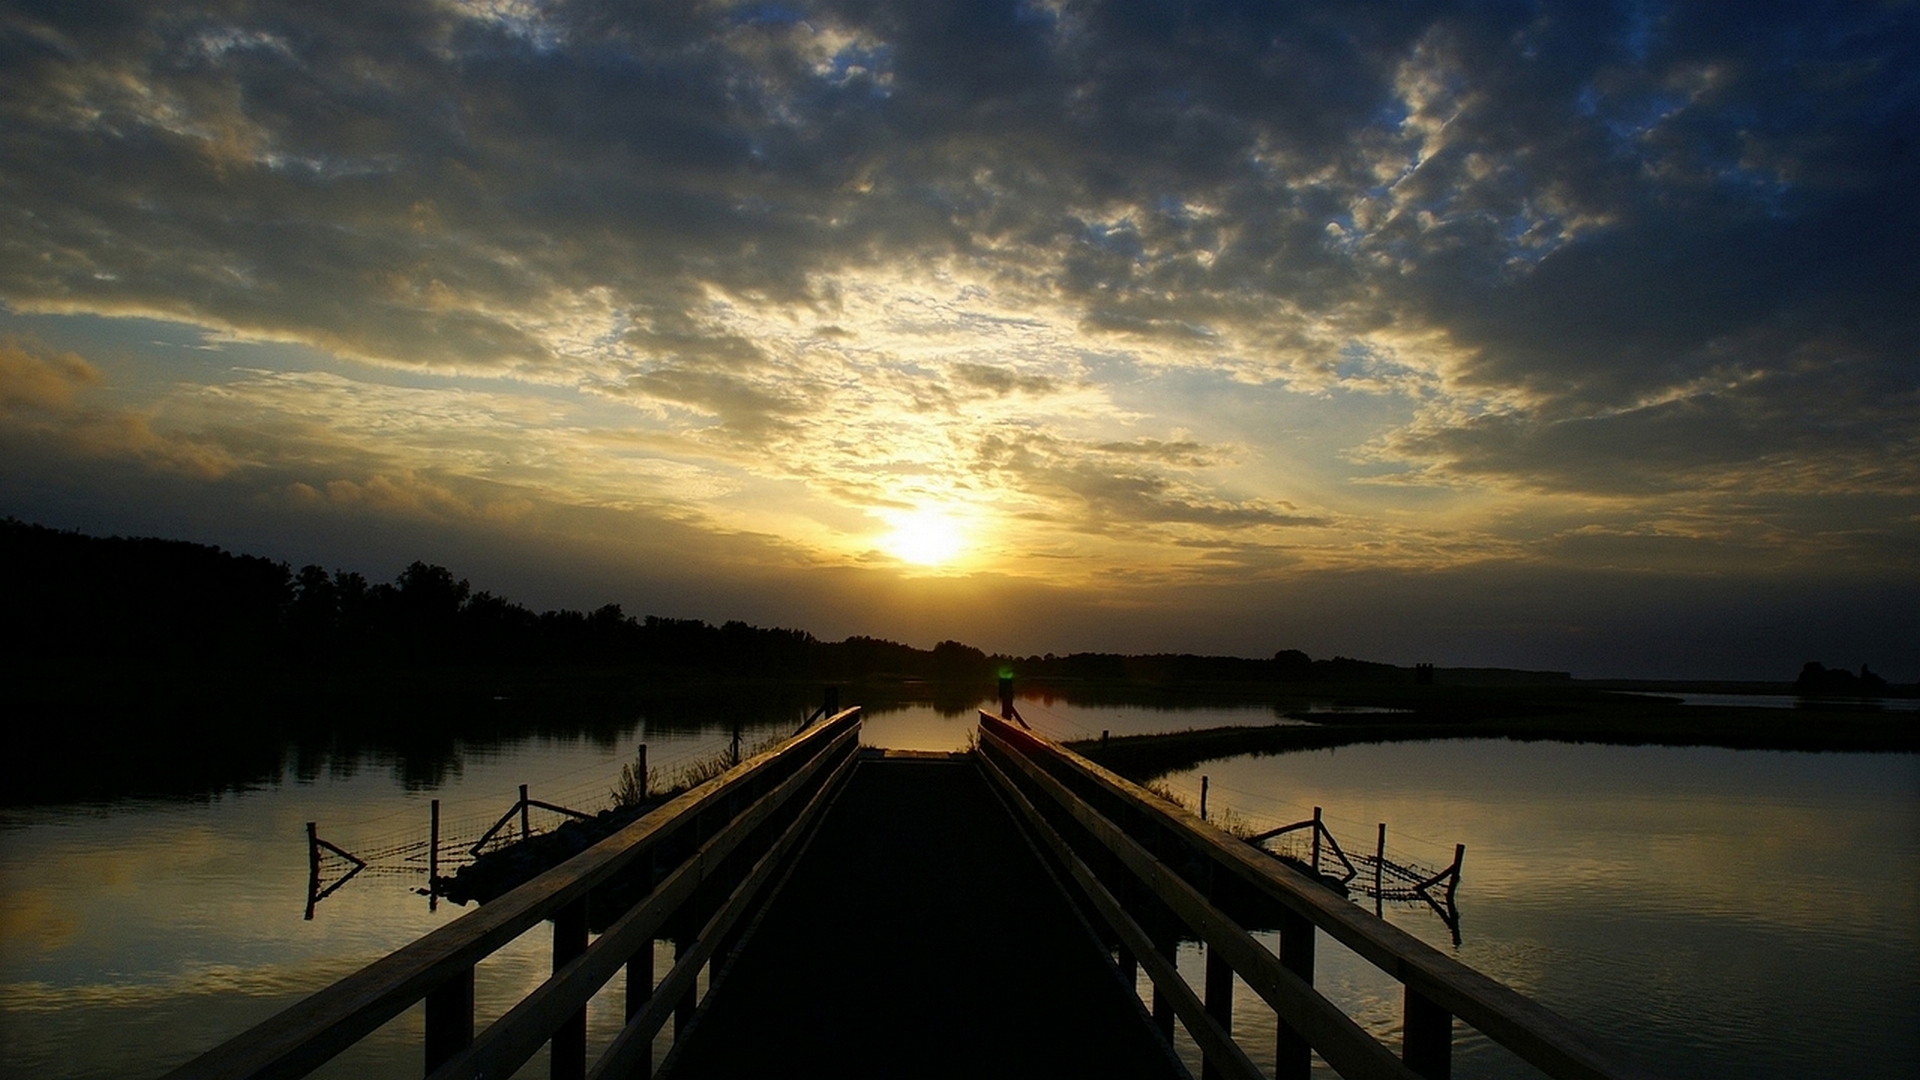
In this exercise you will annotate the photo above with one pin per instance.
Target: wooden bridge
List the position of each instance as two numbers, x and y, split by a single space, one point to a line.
874 913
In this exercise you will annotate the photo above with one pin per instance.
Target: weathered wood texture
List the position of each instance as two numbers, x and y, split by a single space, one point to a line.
1086 794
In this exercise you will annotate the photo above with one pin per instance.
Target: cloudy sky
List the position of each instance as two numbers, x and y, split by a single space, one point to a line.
1568 335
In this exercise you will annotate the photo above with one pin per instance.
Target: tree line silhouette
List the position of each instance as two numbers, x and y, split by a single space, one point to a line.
176 603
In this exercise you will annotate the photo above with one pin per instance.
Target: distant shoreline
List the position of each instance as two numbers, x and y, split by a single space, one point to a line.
1143 757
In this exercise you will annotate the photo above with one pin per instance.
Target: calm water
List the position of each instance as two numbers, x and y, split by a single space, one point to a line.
1714 912
1717 912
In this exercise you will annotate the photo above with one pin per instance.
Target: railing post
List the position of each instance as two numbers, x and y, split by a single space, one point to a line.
1218 981
1169 947
569 1046
639 992
1293 1055
1426 1040
683 1009
1006 697
449 1019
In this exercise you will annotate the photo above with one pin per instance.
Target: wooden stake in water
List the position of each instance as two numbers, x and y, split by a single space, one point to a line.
1379 856
1203 798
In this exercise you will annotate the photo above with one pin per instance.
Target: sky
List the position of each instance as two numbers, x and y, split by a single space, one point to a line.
1576 336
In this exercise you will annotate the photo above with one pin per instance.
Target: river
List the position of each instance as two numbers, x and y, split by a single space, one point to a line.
1714 912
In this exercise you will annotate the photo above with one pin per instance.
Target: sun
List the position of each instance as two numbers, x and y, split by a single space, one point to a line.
924 538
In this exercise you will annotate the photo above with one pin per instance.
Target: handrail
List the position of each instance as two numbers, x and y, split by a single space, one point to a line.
311 1032
1438 987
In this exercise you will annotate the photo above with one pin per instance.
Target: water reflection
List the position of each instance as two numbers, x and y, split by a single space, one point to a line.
1721 912
1725 912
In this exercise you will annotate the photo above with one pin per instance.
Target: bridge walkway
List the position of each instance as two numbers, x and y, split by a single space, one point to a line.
920 936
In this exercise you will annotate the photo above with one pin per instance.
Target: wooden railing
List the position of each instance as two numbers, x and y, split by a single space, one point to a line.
700 862
1153 874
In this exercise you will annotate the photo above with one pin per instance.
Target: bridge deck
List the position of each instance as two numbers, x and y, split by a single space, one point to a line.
920 936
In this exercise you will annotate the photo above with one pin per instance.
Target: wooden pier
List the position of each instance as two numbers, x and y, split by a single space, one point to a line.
863 913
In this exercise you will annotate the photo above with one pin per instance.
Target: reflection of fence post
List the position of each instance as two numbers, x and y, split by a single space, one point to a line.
1103 740
526 830
1317 829
1379 857
433 858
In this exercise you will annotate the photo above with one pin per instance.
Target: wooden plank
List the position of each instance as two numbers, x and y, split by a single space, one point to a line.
512 1040
1538 1035
309 1033
1344 1044
624 1056
1216 1045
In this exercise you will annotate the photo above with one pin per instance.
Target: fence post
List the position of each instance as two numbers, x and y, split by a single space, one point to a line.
433 858
525 829
1317 828
313 867
641 776
1379 855
1203 798
1453 882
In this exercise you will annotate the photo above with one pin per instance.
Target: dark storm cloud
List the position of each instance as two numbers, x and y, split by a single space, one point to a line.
1655 240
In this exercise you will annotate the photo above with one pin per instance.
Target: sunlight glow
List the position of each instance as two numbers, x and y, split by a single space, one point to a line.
925 538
